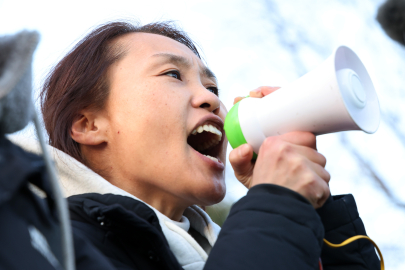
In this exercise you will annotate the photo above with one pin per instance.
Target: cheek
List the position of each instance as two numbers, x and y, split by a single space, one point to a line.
148 104
155 122
222 155
165 118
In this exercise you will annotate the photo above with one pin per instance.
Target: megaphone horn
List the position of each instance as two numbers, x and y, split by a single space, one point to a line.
336 96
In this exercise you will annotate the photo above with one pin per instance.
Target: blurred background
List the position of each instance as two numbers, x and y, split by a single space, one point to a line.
268 42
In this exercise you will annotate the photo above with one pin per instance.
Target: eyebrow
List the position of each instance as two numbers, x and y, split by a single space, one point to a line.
182 61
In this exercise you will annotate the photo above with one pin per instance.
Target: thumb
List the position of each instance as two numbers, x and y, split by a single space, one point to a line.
240 159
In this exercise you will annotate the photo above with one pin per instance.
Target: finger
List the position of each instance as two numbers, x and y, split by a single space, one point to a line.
266 90
302 138
240 159
325 195
306 145
237 99
256 93
320 171
311 154
318 193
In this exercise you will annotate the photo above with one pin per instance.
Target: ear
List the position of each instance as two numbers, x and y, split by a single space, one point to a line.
90 129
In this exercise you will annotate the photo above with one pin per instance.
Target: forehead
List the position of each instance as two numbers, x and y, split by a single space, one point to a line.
151 46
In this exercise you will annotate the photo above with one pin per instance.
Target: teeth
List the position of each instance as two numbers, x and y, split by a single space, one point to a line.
212 158
211 129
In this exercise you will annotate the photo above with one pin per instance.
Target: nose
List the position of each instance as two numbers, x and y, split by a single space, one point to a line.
204 98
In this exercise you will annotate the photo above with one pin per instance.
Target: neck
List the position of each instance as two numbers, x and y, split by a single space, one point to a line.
165 203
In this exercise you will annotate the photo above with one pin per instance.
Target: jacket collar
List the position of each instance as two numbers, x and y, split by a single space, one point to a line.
77 179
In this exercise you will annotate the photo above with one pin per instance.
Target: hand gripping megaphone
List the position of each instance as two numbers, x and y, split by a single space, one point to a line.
336 96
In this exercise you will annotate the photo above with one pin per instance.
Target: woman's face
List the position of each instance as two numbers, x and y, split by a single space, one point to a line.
161 95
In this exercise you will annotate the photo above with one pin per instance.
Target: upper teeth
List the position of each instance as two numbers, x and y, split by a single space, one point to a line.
208 128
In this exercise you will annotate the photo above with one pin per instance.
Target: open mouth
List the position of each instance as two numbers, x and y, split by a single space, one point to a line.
206 139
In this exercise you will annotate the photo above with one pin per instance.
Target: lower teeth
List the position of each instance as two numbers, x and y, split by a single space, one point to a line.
212 158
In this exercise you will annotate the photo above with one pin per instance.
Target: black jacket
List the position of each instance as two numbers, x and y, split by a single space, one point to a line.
126 231
29 229
270 228
275 228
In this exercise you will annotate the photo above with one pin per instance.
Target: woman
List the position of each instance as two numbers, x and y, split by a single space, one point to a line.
139 108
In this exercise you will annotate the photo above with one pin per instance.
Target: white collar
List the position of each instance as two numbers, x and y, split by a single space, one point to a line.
184 223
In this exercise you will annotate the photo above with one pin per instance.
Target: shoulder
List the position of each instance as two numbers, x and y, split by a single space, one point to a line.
95 215
95 204
124 230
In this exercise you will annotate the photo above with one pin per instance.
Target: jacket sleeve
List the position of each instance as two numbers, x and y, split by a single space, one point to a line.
341 221
270 228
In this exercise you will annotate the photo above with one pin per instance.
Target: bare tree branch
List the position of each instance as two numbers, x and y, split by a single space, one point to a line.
292 43
373 174
392 122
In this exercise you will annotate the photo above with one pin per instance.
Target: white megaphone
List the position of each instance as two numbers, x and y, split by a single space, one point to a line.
336 96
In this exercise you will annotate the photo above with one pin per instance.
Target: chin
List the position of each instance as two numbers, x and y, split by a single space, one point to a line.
217 199
214 195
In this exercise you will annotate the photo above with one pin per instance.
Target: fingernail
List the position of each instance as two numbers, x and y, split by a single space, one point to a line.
243 150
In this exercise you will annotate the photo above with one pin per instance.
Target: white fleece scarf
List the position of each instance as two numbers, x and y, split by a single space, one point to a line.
76 178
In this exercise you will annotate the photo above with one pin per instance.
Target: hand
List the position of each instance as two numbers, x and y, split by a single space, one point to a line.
258 93
288 160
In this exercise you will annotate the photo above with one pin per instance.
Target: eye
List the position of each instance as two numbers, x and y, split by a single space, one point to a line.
213 89
173 73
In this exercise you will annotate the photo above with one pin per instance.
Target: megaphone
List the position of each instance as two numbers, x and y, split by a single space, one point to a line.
336 96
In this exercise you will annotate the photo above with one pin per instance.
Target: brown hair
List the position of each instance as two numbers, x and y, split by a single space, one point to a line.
79 80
